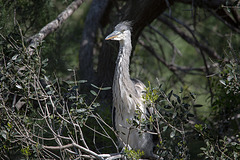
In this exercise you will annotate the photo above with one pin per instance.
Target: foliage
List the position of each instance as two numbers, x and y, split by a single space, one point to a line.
13 12
132 154
221 135
170 119
39 113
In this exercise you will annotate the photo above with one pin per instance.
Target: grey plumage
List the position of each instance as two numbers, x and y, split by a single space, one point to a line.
127 95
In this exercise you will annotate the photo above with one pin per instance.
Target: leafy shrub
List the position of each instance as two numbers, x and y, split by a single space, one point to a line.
221 135
41 117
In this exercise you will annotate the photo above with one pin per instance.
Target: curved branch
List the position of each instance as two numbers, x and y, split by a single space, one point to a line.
52 26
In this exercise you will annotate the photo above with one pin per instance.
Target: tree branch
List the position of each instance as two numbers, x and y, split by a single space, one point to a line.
211 52
226 19
52 26
173 67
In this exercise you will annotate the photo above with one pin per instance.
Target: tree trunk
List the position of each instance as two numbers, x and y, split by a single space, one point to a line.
88 39
107 57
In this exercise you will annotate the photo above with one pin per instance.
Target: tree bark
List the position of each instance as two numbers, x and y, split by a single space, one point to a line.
141 13
92 24
52 26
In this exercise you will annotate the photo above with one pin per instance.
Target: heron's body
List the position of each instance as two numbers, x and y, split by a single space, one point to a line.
127 96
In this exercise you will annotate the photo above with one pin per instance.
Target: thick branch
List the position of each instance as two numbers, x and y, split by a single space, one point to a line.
53 26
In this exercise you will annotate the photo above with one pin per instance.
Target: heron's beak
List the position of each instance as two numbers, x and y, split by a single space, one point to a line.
114 34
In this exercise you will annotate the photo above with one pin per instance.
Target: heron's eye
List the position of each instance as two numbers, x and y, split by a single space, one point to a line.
122 30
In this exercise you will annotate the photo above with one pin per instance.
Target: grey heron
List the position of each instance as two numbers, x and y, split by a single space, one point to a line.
127 96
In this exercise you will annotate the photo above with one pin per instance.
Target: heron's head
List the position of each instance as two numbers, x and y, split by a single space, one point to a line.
122 31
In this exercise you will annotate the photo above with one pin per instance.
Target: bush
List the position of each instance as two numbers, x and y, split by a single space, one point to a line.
42 117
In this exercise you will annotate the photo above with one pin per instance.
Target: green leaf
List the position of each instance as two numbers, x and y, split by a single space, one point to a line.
45 61
229 78
181 90
18 86
15 57
178 98
172 134
81 110
186 105
82 81
93 93
185 98
197 105
4 134
174 115
51 92
238 147
170 94
223 82
167 107
192 95
233 143
96 104
105 88
95 86
165 128
203 149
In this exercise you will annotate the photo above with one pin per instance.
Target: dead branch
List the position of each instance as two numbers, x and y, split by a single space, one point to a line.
52 26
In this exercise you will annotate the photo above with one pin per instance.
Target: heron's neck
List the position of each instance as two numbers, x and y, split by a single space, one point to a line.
122 63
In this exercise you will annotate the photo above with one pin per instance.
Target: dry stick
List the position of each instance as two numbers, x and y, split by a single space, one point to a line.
52 26
73 145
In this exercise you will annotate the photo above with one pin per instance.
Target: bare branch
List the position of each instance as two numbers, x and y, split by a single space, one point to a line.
52 26
73 145
211 52
226 19
175 49
172 67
